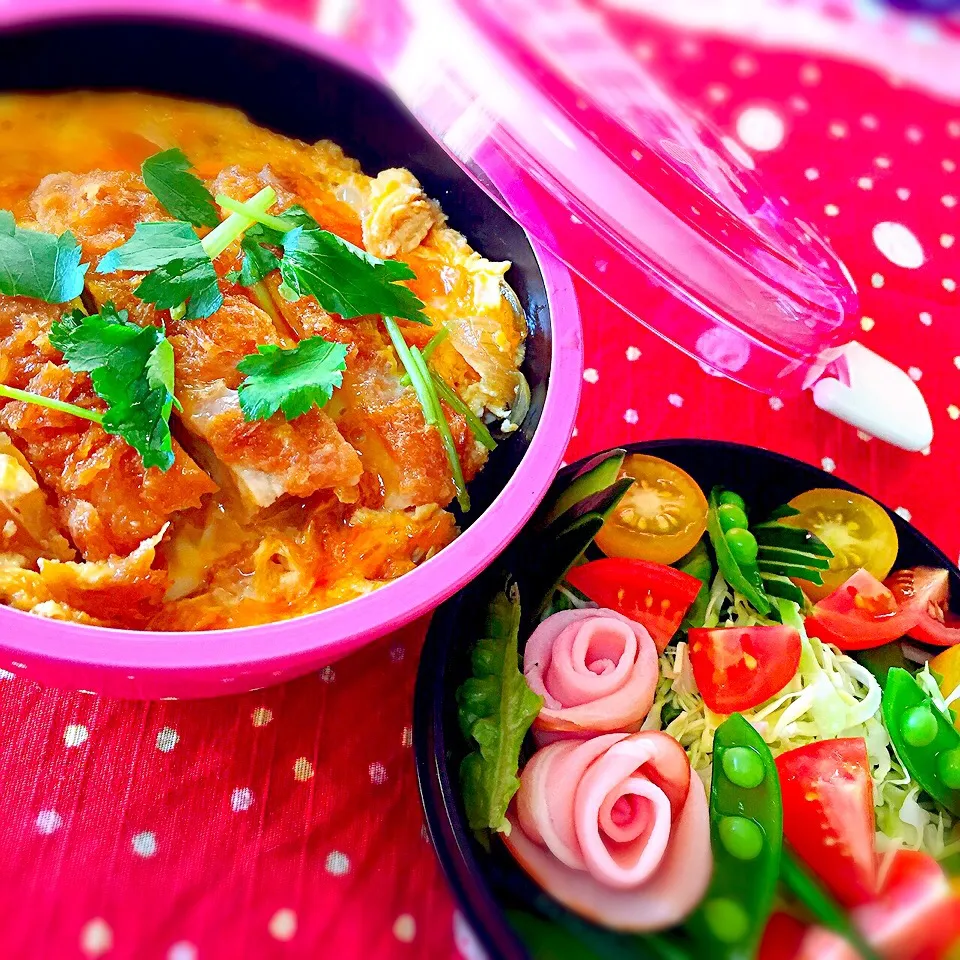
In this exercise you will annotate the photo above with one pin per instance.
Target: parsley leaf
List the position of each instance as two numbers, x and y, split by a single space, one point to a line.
258 260
343 278
180 269
39 265
182 194
131 368
290 380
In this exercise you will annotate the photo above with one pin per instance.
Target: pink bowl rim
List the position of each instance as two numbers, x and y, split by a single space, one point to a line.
359 621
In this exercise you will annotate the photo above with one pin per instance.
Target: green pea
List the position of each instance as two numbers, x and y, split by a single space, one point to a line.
728 496
743 767
731 517
948 766
743 546
727 920
741 838
919 726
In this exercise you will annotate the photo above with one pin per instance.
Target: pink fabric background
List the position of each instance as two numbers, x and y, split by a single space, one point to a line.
286 823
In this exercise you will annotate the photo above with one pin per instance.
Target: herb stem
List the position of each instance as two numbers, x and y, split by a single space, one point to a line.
255 212
244 216
434 343
477 427
423 385
12 393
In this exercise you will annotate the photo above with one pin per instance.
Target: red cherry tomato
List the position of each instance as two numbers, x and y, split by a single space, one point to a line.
916 915
860 614
828 815
927 589
654 595
787 938
738 668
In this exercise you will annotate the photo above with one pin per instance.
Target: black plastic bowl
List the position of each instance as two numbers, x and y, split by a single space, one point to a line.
483 883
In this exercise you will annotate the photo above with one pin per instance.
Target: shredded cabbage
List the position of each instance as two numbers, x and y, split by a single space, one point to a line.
831 695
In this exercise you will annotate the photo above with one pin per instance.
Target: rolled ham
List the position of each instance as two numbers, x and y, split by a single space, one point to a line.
615 828
596 670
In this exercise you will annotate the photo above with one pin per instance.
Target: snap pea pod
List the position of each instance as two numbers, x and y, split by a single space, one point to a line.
697 563
925 740
790 551
776 585
746 827
735 547
808 890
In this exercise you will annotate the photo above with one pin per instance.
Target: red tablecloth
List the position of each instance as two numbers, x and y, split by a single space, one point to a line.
286 823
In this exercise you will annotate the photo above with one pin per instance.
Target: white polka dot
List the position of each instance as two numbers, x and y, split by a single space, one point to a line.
914 134
828 464
302 769
182 950
810 74
633 353
283 925
575 433
865 183
717 93
645 50
903 193
328 675
831 210
75 735
675 400
241 799
869 122
811 173
949 200
865 437
904 512
689 48
96 937
882 162
337 863
837 130
953 128
799 104
956 362
6 675
743 65
167 739
949 284
397 652
144 844
867 324
378 773
925 318
915 373
949 166
898 244
405 928
877 281
631 415
261 716
946 240
406 737
775 403
48 821
591 375
760 128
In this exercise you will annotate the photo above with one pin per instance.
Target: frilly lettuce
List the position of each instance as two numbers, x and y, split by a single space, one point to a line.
832 695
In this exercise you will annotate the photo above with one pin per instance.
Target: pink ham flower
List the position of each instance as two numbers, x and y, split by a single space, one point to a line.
616 828
596 670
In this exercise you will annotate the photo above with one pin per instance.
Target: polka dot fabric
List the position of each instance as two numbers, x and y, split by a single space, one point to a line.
285 823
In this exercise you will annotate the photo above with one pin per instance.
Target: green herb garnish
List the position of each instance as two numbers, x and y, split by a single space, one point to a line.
291 380
182 194
39 265
496 709
258 260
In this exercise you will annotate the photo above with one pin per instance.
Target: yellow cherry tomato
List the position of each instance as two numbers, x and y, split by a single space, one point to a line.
858 531
946 665
660 518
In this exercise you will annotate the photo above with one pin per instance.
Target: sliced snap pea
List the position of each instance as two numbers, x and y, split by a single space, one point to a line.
746 828
773 534
926 741
790 570
775 585
794 557
743 576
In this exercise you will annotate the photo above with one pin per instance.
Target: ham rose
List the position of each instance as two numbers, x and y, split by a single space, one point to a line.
596 670
616 828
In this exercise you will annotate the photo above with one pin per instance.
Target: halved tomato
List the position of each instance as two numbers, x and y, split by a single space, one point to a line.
828 815
660 518
782 938
927 589
861 614
652 594
916 915
738 668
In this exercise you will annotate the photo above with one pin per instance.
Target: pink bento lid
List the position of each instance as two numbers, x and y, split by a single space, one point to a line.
536 100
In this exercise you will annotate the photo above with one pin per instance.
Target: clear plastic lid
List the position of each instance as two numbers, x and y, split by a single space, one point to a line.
563 127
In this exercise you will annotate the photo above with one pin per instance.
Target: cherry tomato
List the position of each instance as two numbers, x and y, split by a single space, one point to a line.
916 915
738 668
782 938
861 614
652 594
828 815
858 531
660 518
929 589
